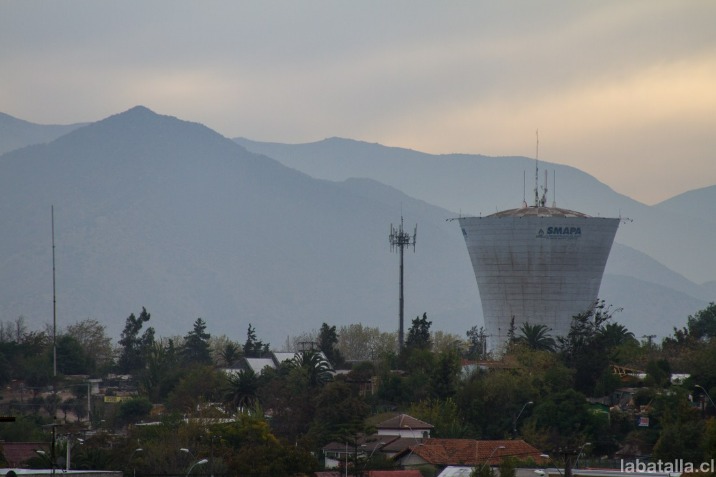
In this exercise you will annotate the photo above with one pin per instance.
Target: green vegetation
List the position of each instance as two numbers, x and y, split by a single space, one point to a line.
160 395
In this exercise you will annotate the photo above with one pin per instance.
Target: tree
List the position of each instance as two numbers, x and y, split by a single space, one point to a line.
359 343
419 333
254 348
92 336
71 357
162 371
340 414
135 346
318 371
477 343
241 389
444 415
616 334
445 375
585 347
536 337
196 386
196 348
327 341
702 325
134 410
229 353
563 419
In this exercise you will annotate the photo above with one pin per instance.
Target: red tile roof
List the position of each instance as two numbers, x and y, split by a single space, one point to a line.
394 473
471 452
17 453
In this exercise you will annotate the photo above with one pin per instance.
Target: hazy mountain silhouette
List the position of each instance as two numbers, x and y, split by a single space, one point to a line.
17 133
157 212
698 204
679 236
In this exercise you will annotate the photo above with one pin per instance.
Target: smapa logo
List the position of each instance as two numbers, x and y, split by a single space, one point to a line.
560 232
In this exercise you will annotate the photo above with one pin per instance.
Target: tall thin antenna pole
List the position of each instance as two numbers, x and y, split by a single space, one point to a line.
400 239
54 299
537 170
554 188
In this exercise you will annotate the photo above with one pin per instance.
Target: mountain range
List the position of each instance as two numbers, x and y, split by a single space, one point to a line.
154 211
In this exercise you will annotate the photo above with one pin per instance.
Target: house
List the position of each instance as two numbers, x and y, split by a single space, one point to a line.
375 473
393 436
404 425
442 453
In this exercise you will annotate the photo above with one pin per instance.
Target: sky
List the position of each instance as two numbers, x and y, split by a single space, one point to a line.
623 90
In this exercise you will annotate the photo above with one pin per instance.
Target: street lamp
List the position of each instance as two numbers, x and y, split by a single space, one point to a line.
546 456
490 457
42 453
129 461
69 449
187 451
705 392
200 462
514 422
376 446
581 450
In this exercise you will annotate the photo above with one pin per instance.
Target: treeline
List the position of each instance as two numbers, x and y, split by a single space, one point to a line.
544 389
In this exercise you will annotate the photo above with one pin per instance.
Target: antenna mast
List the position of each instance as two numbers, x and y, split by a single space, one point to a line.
537 170
400 240
54 298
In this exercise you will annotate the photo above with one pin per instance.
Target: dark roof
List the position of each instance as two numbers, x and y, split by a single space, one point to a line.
17 453
471 452
403 421
370 443
394 473
399 444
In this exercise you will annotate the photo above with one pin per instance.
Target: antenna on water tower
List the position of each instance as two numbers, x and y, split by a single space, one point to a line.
400 239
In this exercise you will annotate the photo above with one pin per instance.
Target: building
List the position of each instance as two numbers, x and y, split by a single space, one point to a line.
393 436
537 265
442 453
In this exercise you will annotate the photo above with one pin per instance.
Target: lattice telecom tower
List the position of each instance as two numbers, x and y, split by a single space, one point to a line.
399 240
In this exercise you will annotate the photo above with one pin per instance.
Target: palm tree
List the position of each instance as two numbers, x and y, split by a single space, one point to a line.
317 368
615 334
241 390
536 337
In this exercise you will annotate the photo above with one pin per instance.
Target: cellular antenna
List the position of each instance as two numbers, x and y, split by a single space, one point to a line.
399 240
537 170
554 189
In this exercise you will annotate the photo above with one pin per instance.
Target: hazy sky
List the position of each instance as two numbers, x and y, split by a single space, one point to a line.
624 90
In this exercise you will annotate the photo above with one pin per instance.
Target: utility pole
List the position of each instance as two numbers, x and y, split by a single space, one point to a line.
399 240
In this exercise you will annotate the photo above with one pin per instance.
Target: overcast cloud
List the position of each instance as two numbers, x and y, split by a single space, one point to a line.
625 90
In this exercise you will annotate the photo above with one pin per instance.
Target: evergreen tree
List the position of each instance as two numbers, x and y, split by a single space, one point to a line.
419 333
254 348
327 341
196 344
135 346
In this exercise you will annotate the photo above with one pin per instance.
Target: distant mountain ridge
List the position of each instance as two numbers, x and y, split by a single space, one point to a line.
16 133
154 211
481 185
